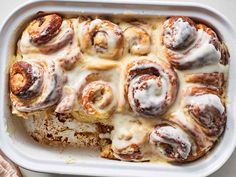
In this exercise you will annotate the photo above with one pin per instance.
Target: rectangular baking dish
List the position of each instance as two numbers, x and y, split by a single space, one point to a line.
17 145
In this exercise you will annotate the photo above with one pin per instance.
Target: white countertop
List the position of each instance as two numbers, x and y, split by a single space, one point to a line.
227 7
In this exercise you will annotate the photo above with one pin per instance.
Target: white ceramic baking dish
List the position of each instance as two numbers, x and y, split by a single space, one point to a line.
17 145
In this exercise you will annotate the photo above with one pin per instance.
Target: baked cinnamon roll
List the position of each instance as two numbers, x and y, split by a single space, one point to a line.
128 138
137 40
171 142
96 100
206 108
190 45
34 85
46 34
151 87
102 38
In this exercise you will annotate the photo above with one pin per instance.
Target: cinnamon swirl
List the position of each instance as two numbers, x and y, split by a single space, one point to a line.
46 34
35 85
96 100
171 142
205 106
151 87
102 38
189 45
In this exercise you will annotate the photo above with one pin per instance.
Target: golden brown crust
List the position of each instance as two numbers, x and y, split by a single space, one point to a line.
69 63
44 28
22 78
194 137
48 34
224 54
108 153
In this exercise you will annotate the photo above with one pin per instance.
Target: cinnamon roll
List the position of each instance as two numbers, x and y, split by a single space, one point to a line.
128 138
96 100
137 40
206 108
34 85
190 45
151 87
46 34
172 143
102 38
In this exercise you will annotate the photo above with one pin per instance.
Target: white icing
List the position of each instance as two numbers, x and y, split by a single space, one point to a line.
38 73
186 121
206 99
172 133
67 102
77 78
201 51
127 131
154 95
181 32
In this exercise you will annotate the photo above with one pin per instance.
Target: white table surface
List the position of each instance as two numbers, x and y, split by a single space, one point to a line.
227 7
